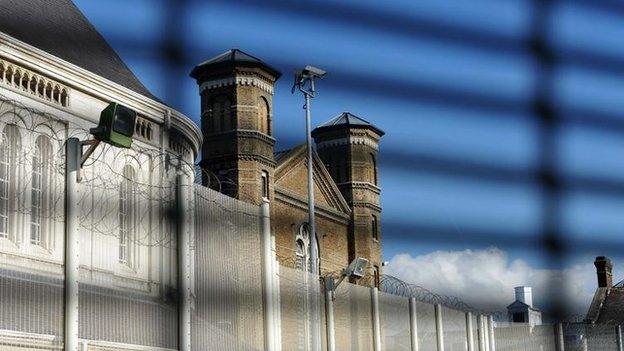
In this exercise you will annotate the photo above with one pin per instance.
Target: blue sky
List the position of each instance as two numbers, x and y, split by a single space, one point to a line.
363 55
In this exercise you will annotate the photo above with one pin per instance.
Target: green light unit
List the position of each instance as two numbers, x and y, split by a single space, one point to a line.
116 126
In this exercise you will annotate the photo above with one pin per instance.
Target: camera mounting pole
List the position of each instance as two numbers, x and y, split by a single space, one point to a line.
304 81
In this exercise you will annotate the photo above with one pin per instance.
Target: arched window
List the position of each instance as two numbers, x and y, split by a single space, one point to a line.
40 192
127 209
215 111
9 149
302 256
374 228
373 171
264 122
225 115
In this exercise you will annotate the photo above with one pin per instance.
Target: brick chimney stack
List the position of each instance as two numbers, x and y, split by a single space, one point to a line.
604 268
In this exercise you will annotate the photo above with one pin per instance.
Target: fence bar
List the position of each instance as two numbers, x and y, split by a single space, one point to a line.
490 331
276 295
413 324
267 276
618 337
469 335
559 344
439 329
72 245
184 260
329 313
376 324
480 326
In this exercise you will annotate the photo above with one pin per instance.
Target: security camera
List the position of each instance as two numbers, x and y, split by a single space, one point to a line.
313 71
357 267
385 263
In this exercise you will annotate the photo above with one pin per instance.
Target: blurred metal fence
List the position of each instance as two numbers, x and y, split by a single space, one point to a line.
227 287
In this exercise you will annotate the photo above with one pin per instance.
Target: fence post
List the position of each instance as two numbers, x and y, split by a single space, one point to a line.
276 295
184 260
413 324
376 324
469 334
329 313
72 245
267 277
439 327
490 330
618 337
482 334
559 343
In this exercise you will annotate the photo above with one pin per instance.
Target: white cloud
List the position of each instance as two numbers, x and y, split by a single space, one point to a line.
486 278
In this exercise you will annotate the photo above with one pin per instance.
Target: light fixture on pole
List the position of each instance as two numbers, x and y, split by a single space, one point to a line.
304 81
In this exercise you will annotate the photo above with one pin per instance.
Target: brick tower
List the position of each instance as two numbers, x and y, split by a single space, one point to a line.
236 92
348 146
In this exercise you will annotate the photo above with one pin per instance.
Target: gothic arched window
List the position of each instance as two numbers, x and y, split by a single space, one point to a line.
373 171
264 119
127 211
302 256
9 150
225 115
40 192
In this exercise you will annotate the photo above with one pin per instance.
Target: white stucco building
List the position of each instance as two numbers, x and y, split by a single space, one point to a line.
56 75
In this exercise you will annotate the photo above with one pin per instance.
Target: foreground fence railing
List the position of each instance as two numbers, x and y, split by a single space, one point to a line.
229 307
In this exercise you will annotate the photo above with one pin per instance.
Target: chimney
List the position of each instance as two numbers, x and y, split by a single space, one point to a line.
604 269
524 295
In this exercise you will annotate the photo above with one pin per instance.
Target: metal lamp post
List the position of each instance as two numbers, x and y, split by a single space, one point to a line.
304 81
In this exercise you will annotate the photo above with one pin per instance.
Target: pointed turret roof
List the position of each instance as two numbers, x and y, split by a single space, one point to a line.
347 120
59 28
232 57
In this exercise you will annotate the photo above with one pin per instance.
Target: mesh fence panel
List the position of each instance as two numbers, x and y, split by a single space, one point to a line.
228 312
601 337
353 317
454 327
523 337
129 318
32 170
394 321
127 292
427 335
31 311
300 305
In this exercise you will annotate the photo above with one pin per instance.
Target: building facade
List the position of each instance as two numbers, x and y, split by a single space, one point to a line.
56 75
239 159
522 309
607 307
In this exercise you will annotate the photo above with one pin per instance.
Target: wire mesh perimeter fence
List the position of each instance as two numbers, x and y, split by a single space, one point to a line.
227 309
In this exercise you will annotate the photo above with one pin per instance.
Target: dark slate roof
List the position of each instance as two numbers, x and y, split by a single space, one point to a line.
232 57
607 307
59 28
347 119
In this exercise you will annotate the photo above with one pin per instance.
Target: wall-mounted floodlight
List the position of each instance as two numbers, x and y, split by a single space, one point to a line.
116 125
357 269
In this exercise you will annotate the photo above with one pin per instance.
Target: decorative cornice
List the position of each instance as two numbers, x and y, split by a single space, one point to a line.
299 202
361 185
350 140
244 157
238 80
366 205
